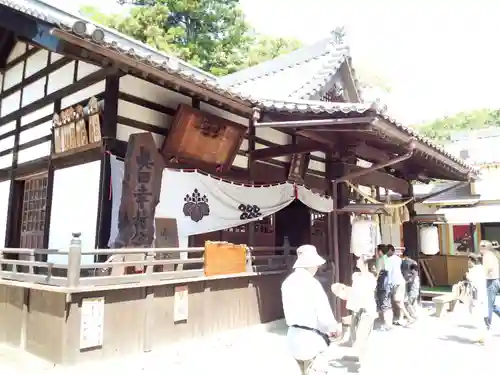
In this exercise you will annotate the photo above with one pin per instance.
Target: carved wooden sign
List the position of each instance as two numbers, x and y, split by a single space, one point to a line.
143 169
94 121
70 129
199 136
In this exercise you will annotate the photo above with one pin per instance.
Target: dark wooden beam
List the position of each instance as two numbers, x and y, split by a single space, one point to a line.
371 154
313 123
375 178
286 150
33 30
316 137
7 43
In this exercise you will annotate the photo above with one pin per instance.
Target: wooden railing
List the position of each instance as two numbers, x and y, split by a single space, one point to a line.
148 264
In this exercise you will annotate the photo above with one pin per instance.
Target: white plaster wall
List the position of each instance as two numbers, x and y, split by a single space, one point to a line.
170 99
74 208
4 206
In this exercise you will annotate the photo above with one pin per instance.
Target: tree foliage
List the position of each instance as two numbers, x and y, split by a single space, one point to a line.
442 129
210 34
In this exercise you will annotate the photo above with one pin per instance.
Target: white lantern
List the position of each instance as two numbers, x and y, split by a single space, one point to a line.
429 240
364 237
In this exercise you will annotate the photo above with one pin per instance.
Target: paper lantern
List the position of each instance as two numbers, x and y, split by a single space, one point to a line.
364 237
429 240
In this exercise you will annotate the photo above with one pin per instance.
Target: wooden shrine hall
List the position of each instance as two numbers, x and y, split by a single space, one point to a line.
75 97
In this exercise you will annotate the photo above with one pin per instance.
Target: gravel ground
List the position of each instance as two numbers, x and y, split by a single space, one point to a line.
432 346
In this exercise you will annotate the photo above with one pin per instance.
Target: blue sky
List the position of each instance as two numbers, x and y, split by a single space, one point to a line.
440 56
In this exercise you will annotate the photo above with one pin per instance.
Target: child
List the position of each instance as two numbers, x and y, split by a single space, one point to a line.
413 290
479 301
361 301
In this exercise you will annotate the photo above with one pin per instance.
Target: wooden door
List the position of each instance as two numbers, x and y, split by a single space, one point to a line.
33 212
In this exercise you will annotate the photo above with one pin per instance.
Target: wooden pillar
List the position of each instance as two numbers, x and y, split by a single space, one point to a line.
108 131
340 233
250 227
410 229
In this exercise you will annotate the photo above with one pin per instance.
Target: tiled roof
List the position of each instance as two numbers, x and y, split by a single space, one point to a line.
300 74
313 106
118 42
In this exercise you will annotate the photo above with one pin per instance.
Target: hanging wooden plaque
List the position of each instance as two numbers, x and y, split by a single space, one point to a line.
56 126
203 137
94 121
80 128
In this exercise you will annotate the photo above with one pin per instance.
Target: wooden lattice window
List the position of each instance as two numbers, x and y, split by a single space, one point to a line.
33 213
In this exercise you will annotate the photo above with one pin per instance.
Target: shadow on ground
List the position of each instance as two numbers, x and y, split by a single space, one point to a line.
458 339
349 363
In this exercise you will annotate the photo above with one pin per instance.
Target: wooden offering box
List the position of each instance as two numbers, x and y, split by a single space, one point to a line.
200 136
224 258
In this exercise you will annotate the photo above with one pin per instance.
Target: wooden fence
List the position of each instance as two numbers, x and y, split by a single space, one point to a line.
149 264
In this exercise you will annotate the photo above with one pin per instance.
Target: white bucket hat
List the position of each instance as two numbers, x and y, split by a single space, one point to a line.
485 245
307 256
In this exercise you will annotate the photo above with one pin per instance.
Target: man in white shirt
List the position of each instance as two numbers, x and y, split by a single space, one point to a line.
398 284
307 310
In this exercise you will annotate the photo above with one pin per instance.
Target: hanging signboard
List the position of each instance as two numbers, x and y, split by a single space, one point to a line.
92 323
181 303
202 137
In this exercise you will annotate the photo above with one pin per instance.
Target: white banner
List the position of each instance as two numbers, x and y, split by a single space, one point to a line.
201 203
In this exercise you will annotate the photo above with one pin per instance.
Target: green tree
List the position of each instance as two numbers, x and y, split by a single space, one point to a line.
442 129
210 34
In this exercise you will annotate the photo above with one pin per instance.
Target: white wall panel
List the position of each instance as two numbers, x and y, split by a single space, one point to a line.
34 91
34 152
54 57
35 115
84 69
316 165
61 78
272 135
240 161
319 154
6 143
13 76
153 93
74 208
35 133
224 114
139 113
244 145
18 50
6 161
84 94
36 62
7 127
11 103
123 132
4 207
